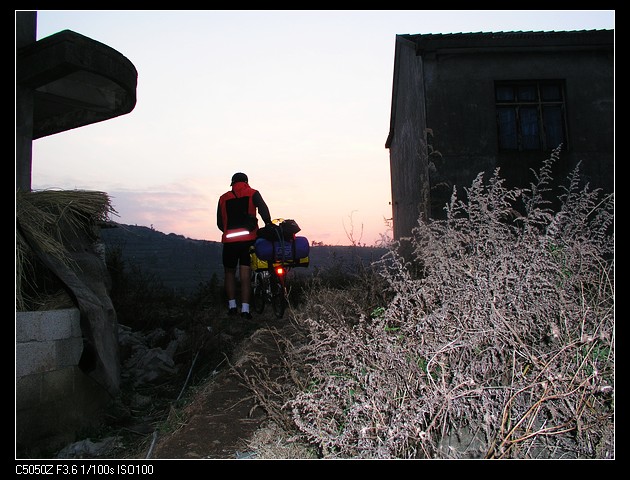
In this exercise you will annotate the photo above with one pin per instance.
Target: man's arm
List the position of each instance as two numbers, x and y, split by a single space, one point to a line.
262 207
219 217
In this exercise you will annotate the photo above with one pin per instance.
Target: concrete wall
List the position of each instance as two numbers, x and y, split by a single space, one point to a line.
446 85
461 111
53 397
408 148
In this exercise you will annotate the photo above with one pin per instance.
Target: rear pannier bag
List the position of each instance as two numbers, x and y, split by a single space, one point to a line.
283 251
286 230
289 228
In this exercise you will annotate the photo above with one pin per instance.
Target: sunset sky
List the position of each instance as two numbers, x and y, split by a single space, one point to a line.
298 100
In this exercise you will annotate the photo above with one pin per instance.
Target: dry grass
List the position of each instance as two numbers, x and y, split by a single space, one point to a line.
272 442
497 339
44 219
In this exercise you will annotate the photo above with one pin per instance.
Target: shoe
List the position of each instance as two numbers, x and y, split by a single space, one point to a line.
232 311
246 315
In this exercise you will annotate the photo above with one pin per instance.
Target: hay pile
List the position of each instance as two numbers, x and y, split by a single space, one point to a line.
43 220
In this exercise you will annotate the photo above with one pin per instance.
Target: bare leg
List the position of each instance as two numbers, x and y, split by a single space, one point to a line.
230 283
246 286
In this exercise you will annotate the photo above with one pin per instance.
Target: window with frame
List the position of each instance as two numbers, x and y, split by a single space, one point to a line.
530 115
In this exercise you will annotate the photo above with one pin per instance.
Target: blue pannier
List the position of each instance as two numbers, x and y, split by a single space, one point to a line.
285 251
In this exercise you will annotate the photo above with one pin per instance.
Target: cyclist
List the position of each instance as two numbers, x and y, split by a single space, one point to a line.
236 218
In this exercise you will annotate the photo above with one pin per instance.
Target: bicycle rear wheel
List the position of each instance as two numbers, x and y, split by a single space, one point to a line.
258 291
278 296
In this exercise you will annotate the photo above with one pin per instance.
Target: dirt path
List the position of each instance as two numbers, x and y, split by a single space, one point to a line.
224 415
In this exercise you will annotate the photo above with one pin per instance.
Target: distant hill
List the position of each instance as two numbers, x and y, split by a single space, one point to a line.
183 264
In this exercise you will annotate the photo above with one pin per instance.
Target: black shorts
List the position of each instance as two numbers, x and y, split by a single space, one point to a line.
236 253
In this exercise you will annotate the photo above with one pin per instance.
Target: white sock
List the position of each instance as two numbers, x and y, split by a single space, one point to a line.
245 307
231 303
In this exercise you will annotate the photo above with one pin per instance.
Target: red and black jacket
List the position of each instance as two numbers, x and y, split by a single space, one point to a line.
237 210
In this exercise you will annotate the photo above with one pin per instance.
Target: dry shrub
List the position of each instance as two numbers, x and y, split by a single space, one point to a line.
502 346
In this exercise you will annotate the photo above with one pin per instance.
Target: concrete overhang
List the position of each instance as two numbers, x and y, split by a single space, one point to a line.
76 81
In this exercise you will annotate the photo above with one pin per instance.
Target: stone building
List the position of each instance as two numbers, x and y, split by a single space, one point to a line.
465 103
66 360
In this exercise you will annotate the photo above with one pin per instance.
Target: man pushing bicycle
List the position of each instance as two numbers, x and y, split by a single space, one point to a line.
236 218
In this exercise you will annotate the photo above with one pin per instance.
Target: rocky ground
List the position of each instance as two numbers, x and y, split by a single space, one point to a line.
175 408
224 415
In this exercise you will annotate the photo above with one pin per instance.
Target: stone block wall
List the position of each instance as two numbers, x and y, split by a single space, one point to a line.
54 399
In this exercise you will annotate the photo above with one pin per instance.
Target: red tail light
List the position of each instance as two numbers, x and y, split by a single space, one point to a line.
279 271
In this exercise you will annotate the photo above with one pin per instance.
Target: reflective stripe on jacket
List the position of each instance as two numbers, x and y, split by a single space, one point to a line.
237 208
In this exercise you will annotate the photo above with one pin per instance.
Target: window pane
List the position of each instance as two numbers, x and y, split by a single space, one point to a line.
530 114
505 94
552 119
529 128
550 92
506 118
527 93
